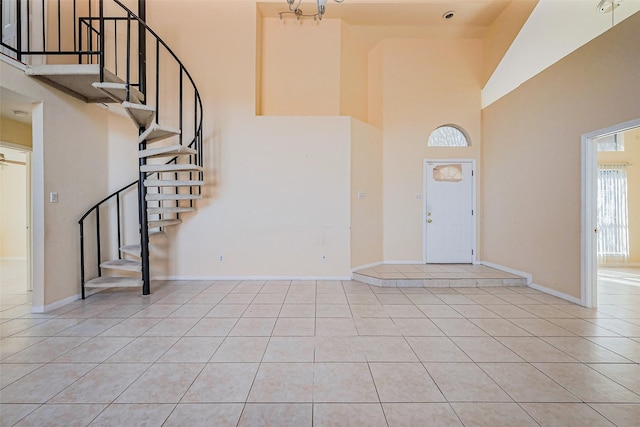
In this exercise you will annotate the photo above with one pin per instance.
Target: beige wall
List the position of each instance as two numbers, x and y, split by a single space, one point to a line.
531 155
15 132
630 155
277 187
300 67
353 75
69 151
366 177
425 84
375 86
13 206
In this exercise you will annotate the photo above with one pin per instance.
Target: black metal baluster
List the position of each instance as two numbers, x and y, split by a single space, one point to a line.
128 78
157 81
19 31
101 35
115 44
28 25
98 240
82 257
59 29
44 36
75 24
118 222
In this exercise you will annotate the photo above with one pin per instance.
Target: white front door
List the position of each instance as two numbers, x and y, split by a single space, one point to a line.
449 212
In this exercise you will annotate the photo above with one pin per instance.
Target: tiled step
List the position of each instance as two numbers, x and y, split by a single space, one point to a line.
172 183
163 223
157 132
113 282
171 167
169 151
161 197
142 115
118 92
169 210
122 264
439 283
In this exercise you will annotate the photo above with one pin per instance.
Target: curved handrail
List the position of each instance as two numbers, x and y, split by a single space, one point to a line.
170 51
97 205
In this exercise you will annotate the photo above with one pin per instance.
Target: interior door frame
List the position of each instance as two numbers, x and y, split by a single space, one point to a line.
425 196
589 208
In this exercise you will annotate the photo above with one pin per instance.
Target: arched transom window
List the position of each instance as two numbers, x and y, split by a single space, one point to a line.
448 136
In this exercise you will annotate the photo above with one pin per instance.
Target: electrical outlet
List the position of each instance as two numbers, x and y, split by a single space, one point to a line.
324 258
221 258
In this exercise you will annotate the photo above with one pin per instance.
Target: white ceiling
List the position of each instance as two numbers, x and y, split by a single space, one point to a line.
11 101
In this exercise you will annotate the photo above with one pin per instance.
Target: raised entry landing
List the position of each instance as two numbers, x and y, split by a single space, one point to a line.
437 276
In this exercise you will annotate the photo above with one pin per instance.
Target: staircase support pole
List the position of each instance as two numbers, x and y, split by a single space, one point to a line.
144 224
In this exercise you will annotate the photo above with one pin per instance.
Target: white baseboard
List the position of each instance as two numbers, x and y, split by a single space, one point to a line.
508 270
620 265
362 267
251 278
62 302
555 293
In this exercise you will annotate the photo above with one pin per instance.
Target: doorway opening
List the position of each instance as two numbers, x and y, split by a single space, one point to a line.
611 215
15 219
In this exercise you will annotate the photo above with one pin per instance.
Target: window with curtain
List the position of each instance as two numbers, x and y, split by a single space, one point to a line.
613 224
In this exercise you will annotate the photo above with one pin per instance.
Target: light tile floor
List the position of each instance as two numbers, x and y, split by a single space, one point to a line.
325 353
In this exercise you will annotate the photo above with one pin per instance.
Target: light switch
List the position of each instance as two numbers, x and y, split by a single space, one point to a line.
418 196
53 197
361 194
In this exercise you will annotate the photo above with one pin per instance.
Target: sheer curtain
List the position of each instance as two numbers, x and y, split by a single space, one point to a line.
613 224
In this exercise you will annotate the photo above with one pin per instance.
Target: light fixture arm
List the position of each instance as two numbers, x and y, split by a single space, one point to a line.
294 8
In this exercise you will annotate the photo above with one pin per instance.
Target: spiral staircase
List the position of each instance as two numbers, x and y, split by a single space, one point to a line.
105 53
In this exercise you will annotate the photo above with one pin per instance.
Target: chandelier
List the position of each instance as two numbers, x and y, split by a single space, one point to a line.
294 8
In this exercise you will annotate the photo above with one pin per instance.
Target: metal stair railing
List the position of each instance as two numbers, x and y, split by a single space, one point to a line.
92 32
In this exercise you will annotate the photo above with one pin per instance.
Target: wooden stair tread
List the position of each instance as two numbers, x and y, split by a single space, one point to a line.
171 167
133 250
168 151
118 92
156 132
163 223
113 282
161 197
122 264
172 183
75 79
170 210
142 115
